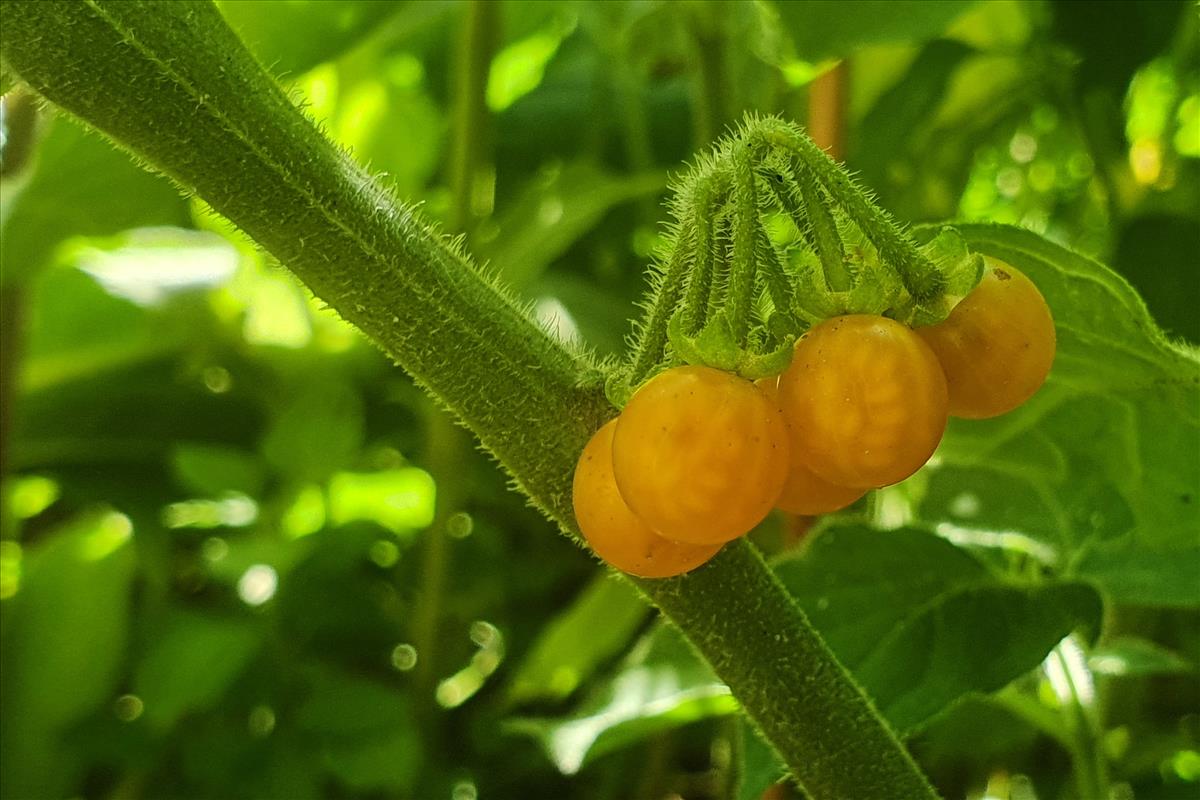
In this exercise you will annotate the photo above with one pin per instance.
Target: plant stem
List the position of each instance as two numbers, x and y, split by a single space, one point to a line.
668 290
744 267
700 276
920 277
827 96
709 42
471 125
826 240
1087 757
222 129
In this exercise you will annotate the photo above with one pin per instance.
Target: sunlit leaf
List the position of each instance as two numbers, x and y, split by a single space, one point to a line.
661 686
64 639
191 665
595 628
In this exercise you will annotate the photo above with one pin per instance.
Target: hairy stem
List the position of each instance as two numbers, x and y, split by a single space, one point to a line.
825 236
170 82
920 277
744 267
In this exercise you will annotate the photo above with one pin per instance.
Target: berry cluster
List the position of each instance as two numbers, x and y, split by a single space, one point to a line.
699 456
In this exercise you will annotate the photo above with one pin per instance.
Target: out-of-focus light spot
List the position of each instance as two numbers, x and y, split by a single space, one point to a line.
893 508
965 504
30 495
306 515
460 525
464 790
802 73
404 71
404 657
550 211
385 554
399 499
149 264
1186 765
1042 176
1145 159
1080 166
518 69
318 89
646 241
10 568
1022 147
128 707
233 511
112 530
214 549
555 318
1187 137
261 721
1009 182
361 113
276 311
217 380
1044 119
257 584
459 687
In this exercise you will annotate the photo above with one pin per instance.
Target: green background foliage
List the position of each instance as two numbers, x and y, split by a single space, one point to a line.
243 556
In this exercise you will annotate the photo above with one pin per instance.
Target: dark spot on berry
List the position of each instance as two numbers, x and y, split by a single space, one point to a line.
1001 275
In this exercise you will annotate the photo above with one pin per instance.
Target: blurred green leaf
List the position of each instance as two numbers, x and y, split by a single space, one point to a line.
1114 44
366 731
211 469
595 628
71 193
1146 247
191 665
823 29
758 767
318 432
661 685
921 623
399 499
78 330
1103 465
1134 657
553 212
64 638
289 38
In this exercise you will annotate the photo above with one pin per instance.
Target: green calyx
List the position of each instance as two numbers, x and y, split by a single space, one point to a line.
772 237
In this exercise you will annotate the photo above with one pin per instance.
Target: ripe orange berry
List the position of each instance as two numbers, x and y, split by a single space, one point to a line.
865 400
700 454
614 532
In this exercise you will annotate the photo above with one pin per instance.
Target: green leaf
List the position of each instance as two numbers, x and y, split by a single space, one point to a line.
72 192
1101 469
823 29
211 469
289 38
1134 657
595 628
922 623
365 730
82 331
191 665
318 432
758 766
553 212
64 639
662 685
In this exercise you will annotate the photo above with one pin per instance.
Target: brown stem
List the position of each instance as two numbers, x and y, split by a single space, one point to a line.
827 110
